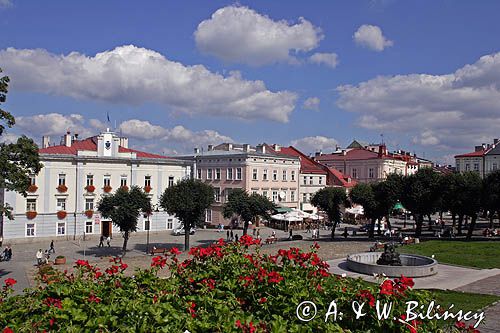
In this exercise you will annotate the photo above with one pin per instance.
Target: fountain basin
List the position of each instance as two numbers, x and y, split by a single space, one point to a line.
413 265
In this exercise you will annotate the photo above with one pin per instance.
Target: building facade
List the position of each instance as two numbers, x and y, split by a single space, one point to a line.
483 160
62 200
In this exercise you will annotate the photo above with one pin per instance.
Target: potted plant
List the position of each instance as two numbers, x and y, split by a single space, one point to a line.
60 260
32 188
147 189
90 188
107 188
62 188
89 213
61 214
124 187
31 215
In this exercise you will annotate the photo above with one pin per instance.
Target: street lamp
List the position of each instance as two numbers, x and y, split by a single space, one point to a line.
148 226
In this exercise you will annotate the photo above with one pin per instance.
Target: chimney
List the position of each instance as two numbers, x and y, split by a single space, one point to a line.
276 147
67 139
495 141
478 148
229 146
124 142
246 147
197 151
318 153
261 149
210 147
45 141
483 145
344 152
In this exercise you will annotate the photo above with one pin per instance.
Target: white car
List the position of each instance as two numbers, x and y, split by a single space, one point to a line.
181 231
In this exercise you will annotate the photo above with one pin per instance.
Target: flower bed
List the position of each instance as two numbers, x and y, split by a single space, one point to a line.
221 288
62 188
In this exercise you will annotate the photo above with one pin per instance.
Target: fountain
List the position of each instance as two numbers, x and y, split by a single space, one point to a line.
391 263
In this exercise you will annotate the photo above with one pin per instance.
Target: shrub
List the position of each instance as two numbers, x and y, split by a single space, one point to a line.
221 288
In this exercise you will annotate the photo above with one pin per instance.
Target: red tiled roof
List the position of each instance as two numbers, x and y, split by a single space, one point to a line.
307 165
473 154
90 144
342 178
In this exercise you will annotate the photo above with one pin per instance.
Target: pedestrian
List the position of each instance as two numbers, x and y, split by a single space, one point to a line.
101 240
345 233
39 257
108 241
236 238
290 232
273 235
9 253
253 231
231 235
5 254
52 247
258 234
227 235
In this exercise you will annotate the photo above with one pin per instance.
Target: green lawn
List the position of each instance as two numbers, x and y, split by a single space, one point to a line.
472 254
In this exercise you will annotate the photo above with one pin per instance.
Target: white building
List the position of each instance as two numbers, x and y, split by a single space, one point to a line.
63 197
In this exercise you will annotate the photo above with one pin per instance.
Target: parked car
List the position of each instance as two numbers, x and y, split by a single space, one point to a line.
181 231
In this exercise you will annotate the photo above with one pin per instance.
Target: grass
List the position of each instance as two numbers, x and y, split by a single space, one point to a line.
471 254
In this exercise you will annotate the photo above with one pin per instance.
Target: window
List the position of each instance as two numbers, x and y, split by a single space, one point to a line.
320 180
292 176
107 181
123 181
275 196
311 180
62 179
89 227
209 173
305 180
217 194
61 204
32 180
170 224
354 173
208 215
264 174
90 180
284 175
31 205
227 191
229 175
147 181
282 197
254 174
304 197
217 174
30 230
370 173
264 193
61 228
494 166
467 167
170 181
89 204
238 173
275 174
199 173
292 195
476 166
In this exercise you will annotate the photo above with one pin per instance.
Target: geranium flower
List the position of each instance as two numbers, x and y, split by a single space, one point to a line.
175 251
386 288
10 282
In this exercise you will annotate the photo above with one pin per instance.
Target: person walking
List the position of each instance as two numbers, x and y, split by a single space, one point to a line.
101 241
108 241
231 235
236 238
227 235
39 257
9 252
51 248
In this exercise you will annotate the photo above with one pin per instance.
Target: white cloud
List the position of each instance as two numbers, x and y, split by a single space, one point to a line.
133 75
371 36
6 4
240 34
189 139
54 124
8 138
312 103
140 129
312 144
328 59
457 110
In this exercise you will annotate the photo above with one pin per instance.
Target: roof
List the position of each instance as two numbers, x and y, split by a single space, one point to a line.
352 154
307 165
90 144
495 150
358 144
473 154
343 179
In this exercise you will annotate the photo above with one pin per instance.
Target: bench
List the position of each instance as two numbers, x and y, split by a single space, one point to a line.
271 240
160 250
377 246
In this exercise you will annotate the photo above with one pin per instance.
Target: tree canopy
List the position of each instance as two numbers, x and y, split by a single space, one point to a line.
188 200
247 207
330 200
124 207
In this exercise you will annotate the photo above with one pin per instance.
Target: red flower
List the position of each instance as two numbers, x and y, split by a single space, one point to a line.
123 266
52 322
460 324
7 330
158 261
98 275
94 299
263 300
248 240
175 251
55 302
367 296
274 277
10 282
191 309
82 263
386 288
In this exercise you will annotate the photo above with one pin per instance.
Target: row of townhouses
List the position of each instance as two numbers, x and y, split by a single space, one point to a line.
483 160
62 198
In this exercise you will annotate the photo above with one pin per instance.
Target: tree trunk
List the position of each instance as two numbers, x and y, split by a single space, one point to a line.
419 220
441 215
498 215
460 222
186 238
472 225
334 225
245 228
491 217
454 219
388 222
430 221
378 226
125 241
371 232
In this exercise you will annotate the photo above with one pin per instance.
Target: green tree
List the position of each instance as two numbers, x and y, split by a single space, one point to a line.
330 200
247 207
420 195
363 194
124 207
449 198
18 160
491 195
188 200
387 194
469 193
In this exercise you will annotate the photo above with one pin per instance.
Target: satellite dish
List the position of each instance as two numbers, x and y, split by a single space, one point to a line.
282 195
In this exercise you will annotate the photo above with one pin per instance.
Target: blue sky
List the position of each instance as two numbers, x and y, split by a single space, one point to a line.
367 68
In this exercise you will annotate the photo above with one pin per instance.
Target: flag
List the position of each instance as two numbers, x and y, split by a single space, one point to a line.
107 114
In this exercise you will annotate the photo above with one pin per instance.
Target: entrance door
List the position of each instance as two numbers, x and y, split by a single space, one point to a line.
106 228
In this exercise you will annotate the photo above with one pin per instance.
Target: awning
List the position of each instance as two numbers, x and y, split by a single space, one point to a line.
398 206
281 209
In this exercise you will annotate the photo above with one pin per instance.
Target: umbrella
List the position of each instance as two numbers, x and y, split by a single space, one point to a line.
356 210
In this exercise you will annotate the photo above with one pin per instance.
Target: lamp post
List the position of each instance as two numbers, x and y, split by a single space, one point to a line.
148 226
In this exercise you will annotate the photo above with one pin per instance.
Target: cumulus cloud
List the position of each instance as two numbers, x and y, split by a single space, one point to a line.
140 129
55 124
240 34
9 138
134 76
371 36
456 110
327 59
312 103
312 144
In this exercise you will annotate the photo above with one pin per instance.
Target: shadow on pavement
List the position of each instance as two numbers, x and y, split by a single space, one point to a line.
4 272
